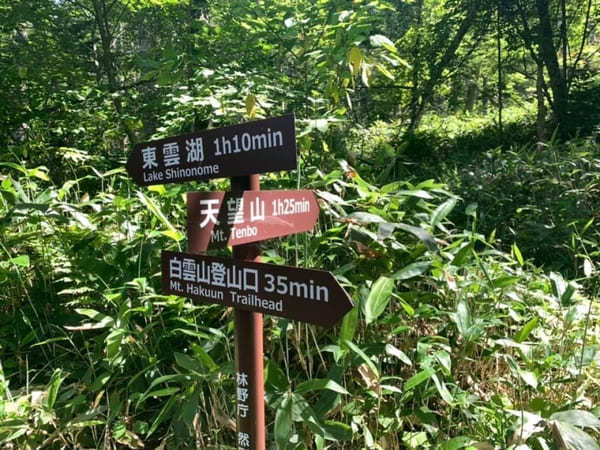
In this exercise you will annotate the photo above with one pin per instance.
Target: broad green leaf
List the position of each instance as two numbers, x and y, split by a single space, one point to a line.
442 389
349 324
379 40
577 418
526 330
378 298
573 437
54 385
275 378
414 439
502 282
177 236
397 353
337 431
588 268
419 378
529 378
319 384
21 261
386 73
148 203
159 189
442 211
362 355
462 318
412 270
283 422
420 233
518 255
163 415
365 218
456 443
186 362
463 254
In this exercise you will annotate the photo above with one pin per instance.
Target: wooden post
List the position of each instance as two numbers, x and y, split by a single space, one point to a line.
249 376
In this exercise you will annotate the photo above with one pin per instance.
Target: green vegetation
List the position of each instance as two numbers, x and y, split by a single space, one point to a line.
471 250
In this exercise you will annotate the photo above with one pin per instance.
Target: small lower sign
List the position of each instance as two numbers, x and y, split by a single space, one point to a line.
307 295
219 219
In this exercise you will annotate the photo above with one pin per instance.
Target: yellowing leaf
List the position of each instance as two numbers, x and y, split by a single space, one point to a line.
251 105
355 59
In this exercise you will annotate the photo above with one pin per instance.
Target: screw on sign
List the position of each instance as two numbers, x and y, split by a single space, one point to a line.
254 147
219 219
306 295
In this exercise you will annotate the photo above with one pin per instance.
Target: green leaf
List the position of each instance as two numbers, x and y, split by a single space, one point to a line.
462 318
54 385
21 261
397 353
412 270
578 418
419 378
365 218
148 203
442 211
442 389
386 73
362 355
379 40
518 255
461 256
186 362
414 439
283 422
163 415
426 237
378 298
456 443
349 324
588 268
573 437
502 282
337 431
319 384
529 378
275 378
526 330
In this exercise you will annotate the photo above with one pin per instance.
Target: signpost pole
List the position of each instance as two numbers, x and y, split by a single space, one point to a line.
249 379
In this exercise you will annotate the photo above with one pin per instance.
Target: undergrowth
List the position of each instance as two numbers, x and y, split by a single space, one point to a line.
452 342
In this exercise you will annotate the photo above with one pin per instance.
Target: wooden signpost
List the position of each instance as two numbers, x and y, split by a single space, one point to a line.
241 218
255 147
307 295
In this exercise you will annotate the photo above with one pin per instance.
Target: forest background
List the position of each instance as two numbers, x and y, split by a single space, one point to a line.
454 146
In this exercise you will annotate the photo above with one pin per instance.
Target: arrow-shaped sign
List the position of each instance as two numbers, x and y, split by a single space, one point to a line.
307 295
219 219
254 147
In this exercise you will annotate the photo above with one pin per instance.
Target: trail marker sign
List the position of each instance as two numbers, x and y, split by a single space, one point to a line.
253 147
219 219
307 295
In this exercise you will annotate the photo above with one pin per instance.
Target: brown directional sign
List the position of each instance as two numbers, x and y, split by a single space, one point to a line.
254 147
219 219
307 295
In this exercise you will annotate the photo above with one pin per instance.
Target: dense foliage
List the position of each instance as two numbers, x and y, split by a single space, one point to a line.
454 150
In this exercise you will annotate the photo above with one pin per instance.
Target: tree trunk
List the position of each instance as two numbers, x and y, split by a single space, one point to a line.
558 84
437 69
540 123
108 63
